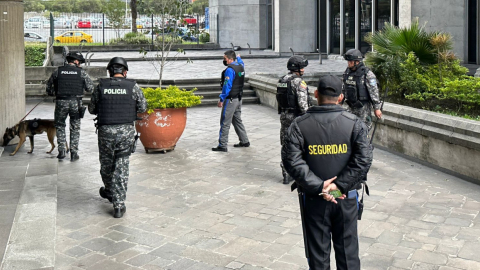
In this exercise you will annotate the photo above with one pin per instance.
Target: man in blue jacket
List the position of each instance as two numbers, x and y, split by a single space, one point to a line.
233 78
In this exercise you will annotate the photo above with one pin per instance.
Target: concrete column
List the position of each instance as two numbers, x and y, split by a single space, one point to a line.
405 13
12 64
295 26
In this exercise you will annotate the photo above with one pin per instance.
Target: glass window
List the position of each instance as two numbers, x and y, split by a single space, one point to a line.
349 24
383 13
335 26
78 34
365 24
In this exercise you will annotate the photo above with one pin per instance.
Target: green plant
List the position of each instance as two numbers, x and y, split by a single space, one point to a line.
170 97
132 38
204 37
167 38
34 54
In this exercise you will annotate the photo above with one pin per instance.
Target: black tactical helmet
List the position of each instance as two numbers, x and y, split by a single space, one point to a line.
353 55
75 56
296 63
117 61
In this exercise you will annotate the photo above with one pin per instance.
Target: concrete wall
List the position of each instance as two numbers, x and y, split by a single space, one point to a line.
239 22
295 25
447 142
12 64
439 15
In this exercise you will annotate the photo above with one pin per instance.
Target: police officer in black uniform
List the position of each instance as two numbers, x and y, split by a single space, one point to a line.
327 149
116 101
67 84
360 89
292 98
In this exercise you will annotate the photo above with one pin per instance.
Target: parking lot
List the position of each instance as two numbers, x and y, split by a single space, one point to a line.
99 26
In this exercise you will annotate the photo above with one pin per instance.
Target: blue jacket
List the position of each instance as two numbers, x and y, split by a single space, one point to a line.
229 76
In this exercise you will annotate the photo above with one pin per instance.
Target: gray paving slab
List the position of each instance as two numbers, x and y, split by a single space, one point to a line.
196 209
199 69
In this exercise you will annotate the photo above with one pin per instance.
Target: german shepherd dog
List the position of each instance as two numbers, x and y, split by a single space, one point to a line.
30 128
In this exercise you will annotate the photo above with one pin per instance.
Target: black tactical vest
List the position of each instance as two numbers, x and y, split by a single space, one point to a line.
116 104
355 90
286 97
69 82
238 80
327 145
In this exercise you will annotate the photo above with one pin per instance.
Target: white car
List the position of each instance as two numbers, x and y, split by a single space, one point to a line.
45 23
33 37
34 22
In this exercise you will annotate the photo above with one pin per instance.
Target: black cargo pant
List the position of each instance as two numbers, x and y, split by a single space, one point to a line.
327 221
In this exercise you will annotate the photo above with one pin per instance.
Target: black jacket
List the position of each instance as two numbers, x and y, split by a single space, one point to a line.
350 174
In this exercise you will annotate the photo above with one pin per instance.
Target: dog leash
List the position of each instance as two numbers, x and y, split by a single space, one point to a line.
32 109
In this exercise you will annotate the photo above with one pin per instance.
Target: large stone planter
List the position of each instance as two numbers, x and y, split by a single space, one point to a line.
161 129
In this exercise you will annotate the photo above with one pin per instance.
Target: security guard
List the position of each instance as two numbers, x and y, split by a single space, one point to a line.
67 84
360 88
327 149
233 78
292 99
116 101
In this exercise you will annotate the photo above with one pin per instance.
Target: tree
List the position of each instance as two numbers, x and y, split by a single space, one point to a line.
169 11
198 7
61 5
33 5
133 7
115 11
90 6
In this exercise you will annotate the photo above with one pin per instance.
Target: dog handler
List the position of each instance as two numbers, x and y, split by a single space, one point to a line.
116 101
67 84
327 149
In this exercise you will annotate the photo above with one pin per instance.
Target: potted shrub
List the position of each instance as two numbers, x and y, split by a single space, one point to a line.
163 123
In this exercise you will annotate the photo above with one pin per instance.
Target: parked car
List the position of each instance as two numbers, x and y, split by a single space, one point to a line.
45 23
96 23
74 37
84 23
190 20
33 37
61 23
186 34
34 22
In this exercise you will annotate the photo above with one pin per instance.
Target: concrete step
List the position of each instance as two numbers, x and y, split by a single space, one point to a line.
215 94
200 87
214 102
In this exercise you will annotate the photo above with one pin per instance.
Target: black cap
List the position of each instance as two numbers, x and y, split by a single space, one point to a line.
330 85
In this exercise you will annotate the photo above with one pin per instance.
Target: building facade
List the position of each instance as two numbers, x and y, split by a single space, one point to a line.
334 26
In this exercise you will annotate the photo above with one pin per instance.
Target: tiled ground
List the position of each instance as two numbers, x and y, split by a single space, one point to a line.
197 209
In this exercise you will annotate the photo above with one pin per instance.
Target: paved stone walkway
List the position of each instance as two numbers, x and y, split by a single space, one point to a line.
180 69
197 209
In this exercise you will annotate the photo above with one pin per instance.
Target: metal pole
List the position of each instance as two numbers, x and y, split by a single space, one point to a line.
52 27
103 28
342 27
126 12
152 31
357 24
198 30
329 26
218 31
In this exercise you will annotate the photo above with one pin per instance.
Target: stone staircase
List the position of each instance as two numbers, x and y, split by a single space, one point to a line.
208 88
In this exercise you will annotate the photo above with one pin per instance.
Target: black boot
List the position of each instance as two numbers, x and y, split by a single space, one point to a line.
287 179
220 149
240 144
74 156
103 194
61 154
118 212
